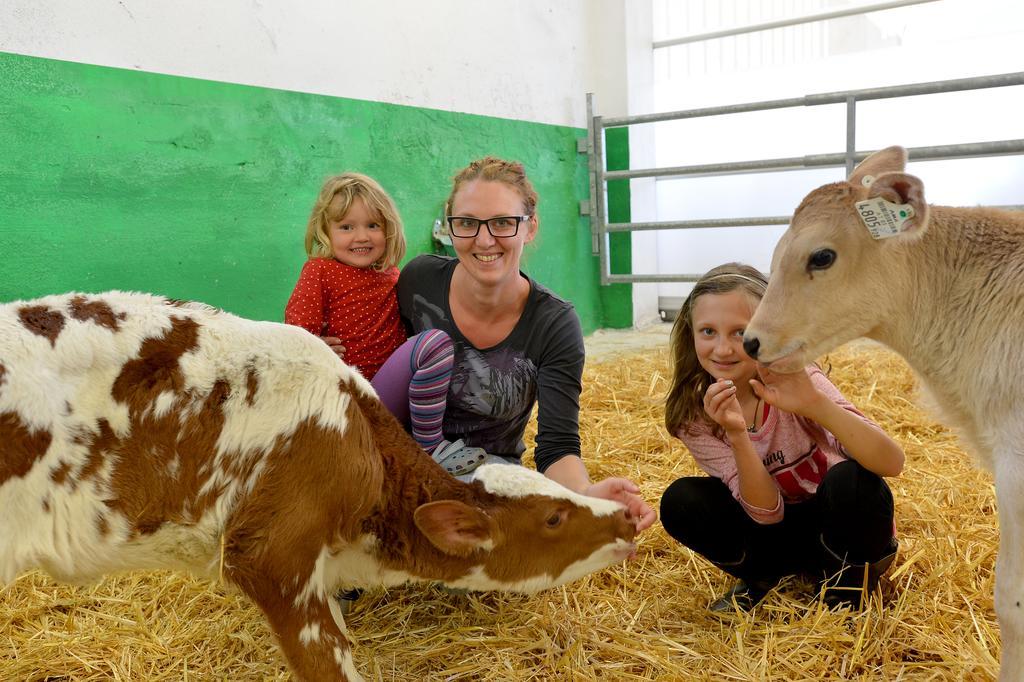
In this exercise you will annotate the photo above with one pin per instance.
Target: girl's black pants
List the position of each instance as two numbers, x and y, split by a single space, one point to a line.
851 514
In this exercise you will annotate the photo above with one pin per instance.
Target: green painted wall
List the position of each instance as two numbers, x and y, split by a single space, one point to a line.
617 299
112 178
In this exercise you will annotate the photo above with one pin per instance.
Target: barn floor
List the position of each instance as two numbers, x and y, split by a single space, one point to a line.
645 620
606 343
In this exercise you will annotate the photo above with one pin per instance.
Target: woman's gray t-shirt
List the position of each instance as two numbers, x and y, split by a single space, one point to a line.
493 390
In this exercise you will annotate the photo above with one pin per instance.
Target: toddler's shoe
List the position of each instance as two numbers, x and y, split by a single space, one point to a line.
458 458
346 598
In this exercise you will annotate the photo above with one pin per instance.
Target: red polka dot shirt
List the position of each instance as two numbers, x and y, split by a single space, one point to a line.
357 305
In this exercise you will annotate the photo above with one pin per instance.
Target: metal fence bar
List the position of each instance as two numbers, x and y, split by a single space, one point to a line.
596 126
601 206
914 89
952 151
851 135
595 197
910 90
697 224
782 23
640 279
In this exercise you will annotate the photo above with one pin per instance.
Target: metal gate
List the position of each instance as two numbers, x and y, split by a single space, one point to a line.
597 207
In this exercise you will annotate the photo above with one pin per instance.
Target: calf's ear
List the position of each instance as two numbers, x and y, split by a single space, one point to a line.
888 160
454 527
907 190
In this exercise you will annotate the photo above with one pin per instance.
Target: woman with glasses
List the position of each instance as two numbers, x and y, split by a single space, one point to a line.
516 343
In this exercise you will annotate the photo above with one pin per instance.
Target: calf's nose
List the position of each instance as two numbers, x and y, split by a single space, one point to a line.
627 524
751 346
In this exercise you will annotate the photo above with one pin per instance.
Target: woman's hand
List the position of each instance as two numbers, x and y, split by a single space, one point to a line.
626 492
334 343
723 407
791 392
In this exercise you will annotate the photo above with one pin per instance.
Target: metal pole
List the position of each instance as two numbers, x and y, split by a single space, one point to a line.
600 176
753 28
951 151
638 279
600 208
592 173
698 224
930 88
851 134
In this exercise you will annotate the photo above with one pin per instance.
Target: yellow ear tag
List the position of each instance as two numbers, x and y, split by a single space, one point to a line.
883 218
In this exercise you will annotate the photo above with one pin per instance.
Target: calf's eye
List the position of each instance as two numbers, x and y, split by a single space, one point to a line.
554 520
822 259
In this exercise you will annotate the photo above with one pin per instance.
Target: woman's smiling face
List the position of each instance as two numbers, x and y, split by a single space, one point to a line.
491 260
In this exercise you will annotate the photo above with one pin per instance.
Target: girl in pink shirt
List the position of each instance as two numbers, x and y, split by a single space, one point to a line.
794 470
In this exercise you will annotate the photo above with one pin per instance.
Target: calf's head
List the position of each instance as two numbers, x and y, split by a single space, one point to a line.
834 268
525 532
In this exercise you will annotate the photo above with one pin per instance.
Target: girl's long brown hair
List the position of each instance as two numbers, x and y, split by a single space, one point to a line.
684 407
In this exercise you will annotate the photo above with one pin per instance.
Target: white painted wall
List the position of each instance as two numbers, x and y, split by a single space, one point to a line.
624 39
531 60
643 191
929 42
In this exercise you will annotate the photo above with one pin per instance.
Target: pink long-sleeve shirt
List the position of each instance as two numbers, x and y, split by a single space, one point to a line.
797 452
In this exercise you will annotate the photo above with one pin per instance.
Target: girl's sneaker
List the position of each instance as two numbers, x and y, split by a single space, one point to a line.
743 596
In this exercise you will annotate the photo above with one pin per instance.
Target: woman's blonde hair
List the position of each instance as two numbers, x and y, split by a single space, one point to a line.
349 187
684 407
493 169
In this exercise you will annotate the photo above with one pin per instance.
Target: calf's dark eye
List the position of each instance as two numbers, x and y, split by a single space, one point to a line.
822 259
554 520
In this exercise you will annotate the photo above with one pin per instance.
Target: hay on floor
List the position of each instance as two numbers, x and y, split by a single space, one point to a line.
643 621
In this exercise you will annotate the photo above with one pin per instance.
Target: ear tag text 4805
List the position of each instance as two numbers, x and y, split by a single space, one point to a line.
883 218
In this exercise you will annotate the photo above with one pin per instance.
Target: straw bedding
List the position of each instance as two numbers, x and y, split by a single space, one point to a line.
643 621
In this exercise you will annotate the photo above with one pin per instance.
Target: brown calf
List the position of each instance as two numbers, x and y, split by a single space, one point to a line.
138 432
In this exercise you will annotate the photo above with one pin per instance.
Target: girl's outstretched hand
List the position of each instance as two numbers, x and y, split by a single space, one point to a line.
334 343
791 392
721 405
626 492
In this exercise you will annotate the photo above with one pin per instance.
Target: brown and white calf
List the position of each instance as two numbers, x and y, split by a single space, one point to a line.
944 288
139 432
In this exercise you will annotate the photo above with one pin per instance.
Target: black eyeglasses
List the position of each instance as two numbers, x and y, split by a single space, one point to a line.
499 226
